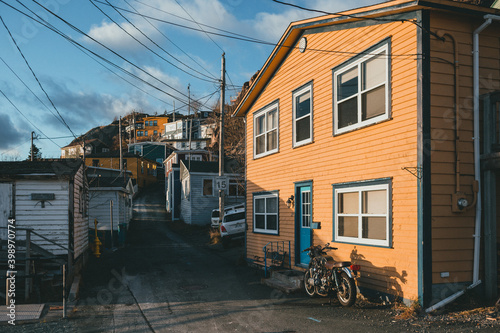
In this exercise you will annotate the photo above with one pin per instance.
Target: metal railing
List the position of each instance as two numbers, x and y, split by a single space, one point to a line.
277 253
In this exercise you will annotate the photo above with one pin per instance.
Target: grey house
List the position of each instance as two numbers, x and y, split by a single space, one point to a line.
198 192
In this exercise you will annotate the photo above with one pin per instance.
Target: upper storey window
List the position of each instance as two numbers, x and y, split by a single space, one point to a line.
302 116
266 130
361 90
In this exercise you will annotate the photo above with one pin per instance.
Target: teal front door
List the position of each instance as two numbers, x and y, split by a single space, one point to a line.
303 218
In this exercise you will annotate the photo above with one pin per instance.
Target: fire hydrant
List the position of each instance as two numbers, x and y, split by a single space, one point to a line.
97 242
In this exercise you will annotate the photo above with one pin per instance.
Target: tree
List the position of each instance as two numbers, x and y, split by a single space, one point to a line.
37 154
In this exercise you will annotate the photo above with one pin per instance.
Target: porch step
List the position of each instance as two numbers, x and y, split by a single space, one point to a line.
288 281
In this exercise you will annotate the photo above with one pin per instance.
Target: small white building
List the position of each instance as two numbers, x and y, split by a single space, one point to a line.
49 197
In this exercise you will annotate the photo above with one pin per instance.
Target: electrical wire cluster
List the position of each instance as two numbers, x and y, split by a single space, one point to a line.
129 71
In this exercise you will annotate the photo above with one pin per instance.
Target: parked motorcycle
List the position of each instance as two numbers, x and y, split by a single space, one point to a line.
325 275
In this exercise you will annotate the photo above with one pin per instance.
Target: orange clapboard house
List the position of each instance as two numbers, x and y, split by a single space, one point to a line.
360 133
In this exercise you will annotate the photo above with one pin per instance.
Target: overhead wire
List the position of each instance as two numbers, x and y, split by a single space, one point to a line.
36 78
113 52
29 121
171 41
152 41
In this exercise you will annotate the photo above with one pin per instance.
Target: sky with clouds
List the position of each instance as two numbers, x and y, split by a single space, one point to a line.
124 55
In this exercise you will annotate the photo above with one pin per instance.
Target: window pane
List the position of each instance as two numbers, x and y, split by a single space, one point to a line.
272 120
272 205
375 202
374 71
303 129
347 84
348 226
233 190
260 144
260 205
373 103
272 140
349 203
260 125
272 222
302 105
348 112
374 228
260 221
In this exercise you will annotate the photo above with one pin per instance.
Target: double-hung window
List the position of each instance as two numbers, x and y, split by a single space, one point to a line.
266 130
361 90
363 213
265 213
302 115
208 187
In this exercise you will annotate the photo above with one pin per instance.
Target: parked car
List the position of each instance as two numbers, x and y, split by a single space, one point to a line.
233 226
216 217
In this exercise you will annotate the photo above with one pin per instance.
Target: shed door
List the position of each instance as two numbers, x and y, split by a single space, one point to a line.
5 208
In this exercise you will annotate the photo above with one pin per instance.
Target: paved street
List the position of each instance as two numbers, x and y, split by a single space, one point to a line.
164 281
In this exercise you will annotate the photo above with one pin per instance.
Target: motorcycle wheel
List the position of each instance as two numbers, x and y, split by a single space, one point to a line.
346 292
310 289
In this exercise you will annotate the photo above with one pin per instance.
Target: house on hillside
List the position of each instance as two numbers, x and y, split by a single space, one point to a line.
360 134
50 197
198 190
150 127
143 169
76 148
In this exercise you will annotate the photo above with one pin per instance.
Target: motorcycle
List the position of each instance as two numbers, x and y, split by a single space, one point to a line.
325 275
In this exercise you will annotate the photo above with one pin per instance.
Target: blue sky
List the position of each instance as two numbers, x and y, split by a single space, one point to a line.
86 94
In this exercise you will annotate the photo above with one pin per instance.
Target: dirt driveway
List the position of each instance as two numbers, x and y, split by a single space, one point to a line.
169 279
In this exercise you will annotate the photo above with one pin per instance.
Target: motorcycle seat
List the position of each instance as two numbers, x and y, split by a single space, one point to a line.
340 264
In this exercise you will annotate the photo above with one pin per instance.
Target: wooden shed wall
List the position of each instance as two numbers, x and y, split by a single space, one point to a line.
452 233
377 151
51 221
80 220
100 209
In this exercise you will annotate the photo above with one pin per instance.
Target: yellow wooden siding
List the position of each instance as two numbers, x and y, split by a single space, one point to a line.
374 152
452 242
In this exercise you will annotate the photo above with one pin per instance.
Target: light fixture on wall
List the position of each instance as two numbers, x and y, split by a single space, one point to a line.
290 202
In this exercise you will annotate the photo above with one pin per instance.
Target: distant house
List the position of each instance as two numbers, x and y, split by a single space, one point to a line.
51 198
153 150
143 169
365 130
76 148
150 127
199 195
172 177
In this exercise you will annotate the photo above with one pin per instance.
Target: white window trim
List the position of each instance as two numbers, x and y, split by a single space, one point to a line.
265 110
301 91
203 187
266 231
359 239
384 48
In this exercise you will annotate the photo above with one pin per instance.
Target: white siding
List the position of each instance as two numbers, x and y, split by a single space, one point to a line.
5 207
51 221
99 208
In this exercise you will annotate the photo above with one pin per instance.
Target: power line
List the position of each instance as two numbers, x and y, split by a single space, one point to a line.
112 51
165 36
200 26
359 17
152 41
36 78
29 121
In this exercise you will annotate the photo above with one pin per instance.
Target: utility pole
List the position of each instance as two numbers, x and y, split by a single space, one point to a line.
120 138
32 135
133 130
221 135
190 124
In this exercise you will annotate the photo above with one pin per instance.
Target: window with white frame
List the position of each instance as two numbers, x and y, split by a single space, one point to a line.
235 190
302 115
363 213
266 130
208 187
265 213
361 90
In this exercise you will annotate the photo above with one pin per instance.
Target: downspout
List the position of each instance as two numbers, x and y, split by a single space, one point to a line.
477 166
